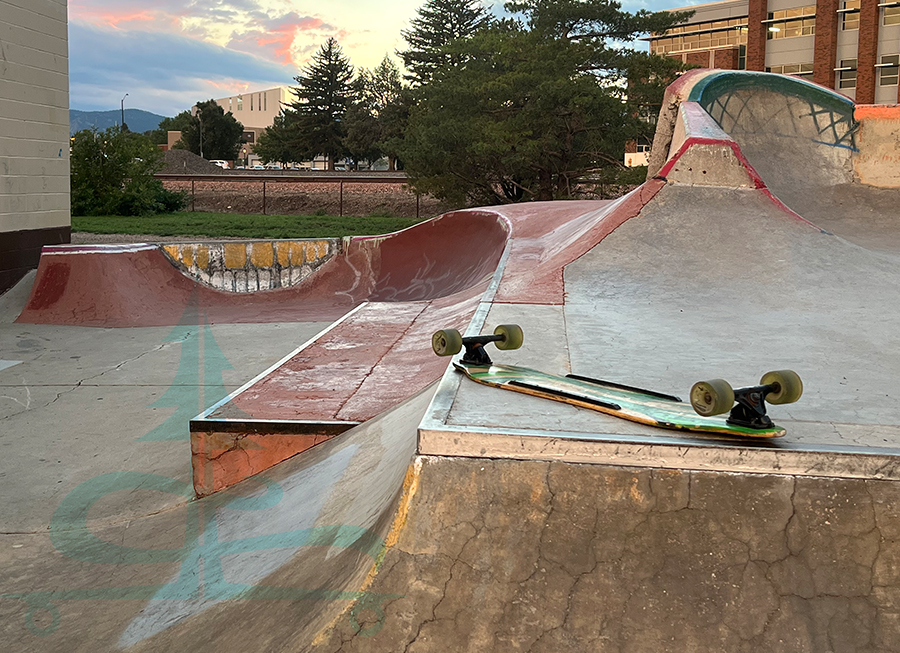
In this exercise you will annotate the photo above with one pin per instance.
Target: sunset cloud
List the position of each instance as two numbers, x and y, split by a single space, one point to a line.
167 54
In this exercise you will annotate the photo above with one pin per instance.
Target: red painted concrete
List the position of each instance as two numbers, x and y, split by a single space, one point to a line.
138 286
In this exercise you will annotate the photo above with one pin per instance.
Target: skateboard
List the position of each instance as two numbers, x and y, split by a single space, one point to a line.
708 399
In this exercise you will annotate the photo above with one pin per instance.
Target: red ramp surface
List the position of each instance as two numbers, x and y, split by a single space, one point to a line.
136 285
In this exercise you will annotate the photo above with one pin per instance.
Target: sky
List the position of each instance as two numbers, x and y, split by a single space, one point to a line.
169 54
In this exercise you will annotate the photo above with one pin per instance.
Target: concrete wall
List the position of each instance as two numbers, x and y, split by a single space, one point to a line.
252 266
34 132
878 161
553 557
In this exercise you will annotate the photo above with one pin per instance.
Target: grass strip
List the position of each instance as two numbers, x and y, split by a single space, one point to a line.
217 225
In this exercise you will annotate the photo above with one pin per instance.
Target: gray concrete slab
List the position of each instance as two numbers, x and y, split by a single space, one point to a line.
677 295
82 402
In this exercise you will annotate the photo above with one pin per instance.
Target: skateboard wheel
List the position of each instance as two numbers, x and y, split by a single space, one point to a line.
446 342
712 397
512 336
790 387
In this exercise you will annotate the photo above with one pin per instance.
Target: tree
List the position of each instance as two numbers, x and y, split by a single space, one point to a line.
276 141
160 135
218 132
377 119
323 96
438 24
112 174
538 105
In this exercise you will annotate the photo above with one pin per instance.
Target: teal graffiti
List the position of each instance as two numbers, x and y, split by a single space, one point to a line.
194 384
71 536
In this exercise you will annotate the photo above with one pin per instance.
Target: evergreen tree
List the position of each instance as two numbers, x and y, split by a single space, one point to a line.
217 132
323 96
438 24
377 120
537 108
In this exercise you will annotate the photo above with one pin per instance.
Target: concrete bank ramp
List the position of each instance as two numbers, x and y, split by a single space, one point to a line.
259 568
835 163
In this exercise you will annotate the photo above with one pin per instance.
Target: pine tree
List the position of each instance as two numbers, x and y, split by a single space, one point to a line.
323 96
377 119
439 23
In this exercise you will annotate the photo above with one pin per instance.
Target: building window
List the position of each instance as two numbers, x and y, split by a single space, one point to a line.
799 69
265 101
788 23
251 103
847 74
850 15
701 36
240 104
890 70
892 15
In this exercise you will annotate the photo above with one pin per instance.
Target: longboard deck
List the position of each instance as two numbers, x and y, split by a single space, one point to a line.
631 404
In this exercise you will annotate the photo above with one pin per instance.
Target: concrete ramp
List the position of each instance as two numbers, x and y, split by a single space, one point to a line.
137 285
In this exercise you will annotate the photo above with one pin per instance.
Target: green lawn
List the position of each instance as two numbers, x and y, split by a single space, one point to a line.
217 225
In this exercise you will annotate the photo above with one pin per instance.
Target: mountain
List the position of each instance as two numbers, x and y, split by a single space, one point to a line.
137 120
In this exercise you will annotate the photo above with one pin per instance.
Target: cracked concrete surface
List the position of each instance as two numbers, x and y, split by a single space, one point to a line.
539 557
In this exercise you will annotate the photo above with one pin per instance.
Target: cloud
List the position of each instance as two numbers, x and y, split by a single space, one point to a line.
161 72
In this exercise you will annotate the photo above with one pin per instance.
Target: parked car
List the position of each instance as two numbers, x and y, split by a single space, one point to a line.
222 164
258 167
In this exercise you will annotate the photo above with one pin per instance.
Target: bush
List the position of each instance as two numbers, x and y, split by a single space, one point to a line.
112 174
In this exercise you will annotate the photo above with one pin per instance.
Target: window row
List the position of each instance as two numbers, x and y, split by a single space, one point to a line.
699 41
889 71
796 12
800 69
703 27
262 102
791 28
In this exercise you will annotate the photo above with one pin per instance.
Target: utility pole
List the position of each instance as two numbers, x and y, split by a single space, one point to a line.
124 126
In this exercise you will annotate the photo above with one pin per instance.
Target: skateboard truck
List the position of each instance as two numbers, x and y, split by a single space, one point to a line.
750 407
448 342
747 405
475 351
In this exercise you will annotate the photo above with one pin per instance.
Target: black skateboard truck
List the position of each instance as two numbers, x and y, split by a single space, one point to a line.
747 406
448 342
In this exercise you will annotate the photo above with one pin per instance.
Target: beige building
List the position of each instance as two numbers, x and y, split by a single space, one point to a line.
34 133
256 111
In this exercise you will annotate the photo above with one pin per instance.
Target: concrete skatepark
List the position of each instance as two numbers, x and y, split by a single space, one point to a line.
358 494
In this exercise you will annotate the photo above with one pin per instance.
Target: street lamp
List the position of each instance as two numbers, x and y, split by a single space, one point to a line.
124 126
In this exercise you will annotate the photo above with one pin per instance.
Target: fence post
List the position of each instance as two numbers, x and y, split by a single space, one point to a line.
417 206
341 201
264 196
193 208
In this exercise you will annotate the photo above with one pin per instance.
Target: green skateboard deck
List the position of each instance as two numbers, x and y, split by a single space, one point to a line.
632 404
709 399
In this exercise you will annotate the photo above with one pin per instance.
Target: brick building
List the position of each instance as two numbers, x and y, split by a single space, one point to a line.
852 46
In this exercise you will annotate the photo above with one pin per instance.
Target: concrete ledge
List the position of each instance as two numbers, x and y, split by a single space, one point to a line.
224 452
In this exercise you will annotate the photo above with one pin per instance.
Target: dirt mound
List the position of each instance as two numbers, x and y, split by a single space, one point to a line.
183 162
